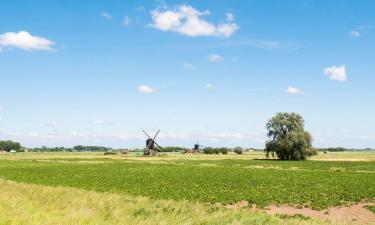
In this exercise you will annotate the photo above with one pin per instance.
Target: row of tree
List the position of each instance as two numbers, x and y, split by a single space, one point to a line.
288 140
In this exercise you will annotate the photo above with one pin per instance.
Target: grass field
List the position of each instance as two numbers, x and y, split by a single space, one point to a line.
183 181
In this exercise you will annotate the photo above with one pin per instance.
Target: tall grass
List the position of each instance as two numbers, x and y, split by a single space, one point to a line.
22 204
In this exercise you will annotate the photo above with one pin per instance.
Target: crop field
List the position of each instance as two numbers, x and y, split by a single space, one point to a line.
318 184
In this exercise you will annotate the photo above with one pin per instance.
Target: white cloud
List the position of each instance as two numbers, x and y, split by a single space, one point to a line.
106 15
293 90
215 58
24 40
146 89
188 21
229 17
354 33
188 66
337 73
1 118
209 86
127 21
1 108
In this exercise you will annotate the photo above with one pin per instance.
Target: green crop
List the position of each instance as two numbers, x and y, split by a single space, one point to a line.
317 184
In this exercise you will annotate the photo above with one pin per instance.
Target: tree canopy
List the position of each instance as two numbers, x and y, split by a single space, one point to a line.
288 138
9 145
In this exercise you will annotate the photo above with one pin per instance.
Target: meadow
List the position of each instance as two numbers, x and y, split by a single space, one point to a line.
333 179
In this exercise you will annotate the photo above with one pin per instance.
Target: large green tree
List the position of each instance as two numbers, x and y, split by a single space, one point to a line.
9 145
288 138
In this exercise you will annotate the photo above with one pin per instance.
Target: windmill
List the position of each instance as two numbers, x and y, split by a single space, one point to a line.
197 146
151 149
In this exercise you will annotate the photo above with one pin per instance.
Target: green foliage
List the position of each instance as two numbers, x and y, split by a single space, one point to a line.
288 139
337 149
9 145
208 150
51 149
110 153
224 150
81 148
227 181
371 208
238 150
174 149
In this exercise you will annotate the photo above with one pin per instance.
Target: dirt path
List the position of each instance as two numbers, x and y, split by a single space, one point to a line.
356 213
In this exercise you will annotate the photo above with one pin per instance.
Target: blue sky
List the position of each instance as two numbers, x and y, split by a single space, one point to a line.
98 72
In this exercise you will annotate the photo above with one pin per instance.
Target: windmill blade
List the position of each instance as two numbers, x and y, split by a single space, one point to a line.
158 145
156 135
150 136
147 135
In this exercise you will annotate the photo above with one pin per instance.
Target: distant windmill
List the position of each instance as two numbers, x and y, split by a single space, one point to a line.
151 149
197 146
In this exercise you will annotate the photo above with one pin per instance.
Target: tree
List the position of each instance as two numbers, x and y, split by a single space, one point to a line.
288 139
9 145
238 150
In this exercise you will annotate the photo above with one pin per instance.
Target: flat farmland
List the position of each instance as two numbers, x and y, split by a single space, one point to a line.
224 180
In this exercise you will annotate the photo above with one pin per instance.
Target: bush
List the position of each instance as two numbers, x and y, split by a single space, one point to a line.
224 151
110 153
173 149
238 150
208 150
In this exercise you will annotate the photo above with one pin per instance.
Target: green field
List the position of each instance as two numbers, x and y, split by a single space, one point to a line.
225 179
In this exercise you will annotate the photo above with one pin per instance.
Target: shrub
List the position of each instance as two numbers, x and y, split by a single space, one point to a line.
208 150
224 151
110 153
238 150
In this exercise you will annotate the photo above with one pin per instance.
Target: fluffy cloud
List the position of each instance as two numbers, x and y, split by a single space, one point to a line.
337 73
354 33
24 40
146 89
215 58
106 15
293 90
127 21
188 21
